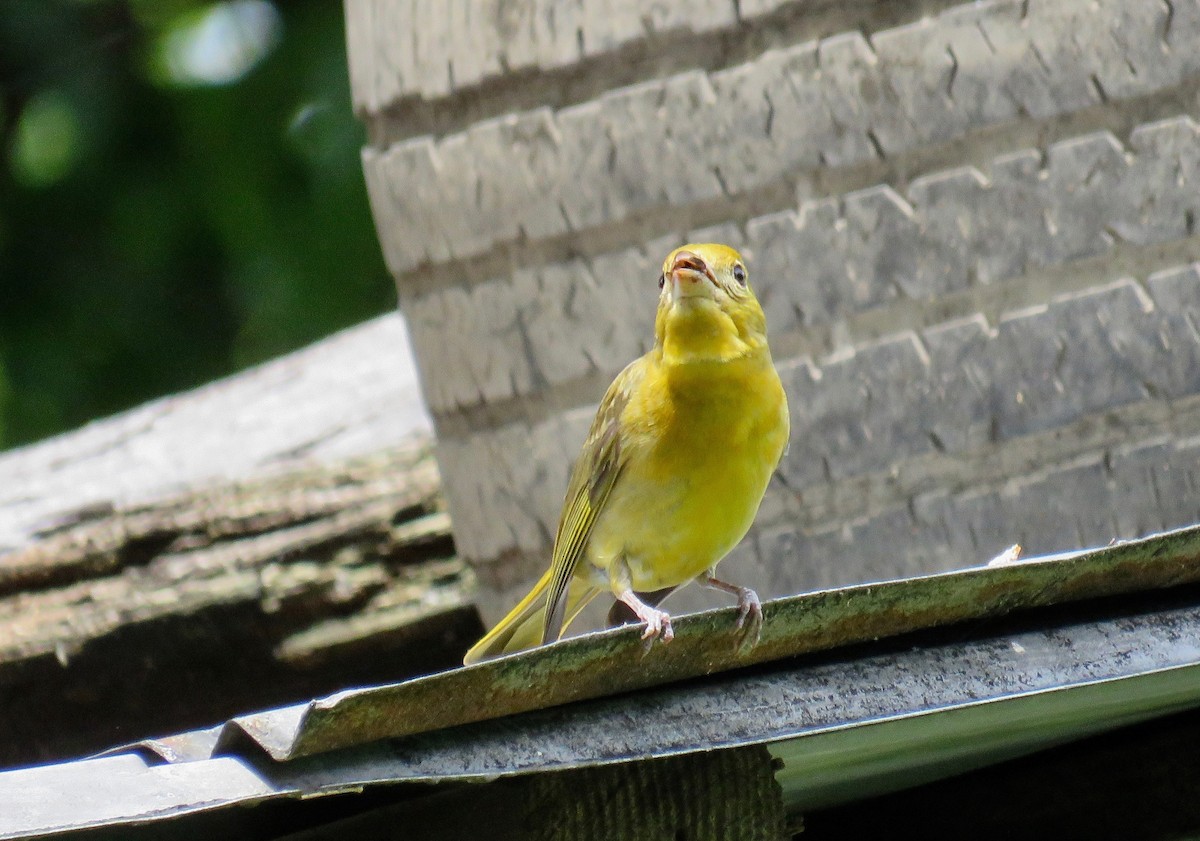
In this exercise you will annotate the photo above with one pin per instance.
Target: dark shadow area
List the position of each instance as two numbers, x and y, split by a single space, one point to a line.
1140 782
164 677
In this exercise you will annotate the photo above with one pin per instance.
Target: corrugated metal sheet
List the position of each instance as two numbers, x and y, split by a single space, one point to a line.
611 662
845 728
846 723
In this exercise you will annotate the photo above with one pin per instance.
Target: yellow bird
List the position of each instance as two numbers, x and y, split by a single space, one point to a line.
675 465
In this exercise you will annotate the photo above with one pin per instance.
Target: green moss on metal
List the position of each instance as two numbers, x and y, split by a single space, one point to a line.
614 661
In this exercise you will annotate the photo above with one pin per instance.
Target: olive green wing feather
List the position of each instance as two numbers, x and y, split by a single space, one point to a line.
592 479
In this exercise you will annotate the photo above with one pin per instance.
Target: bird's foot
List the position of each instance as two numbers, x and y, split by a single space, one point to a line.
658 626
750 612
622 614
658 622
750 617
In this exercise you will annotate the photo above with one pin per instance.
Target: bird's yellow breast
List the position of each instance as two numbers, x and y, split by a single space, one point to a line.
701 441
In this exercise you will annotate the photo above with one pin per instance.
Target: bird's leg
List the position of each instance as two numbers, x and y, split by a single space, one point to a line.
658 622
750 612
621 614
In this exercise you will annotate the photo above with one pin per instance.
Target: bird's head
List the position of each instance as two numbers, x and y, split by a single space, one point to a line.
706 306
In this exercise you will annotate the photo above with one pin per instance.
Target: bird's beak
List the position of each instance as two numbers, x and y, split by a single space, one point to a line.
688 273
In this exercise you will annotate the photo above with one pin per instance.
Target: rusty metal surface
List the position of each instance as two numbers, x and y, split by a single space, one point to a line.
961 698
180 747
611 662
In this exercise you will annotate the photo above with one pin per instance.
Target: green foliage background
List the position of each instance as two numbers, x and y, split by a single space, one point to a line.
177 232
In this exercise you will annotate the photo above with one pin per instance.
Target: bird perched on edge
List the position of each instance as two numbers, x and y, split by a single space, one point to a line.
675 465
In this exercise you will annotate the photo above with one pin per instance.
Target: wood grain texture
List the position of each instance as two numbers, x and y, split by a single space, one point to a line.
351 394
265 539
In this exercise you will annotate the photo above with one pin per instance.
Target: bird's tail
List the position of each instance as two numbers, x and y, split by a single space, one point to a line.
522 627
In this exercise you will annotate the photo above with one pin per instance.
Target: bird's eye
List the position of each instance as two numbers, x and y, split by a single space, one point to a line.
662 278
739 274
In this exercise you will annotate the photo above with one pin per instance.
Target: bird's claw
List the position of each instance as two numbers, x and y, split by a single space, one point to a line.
658 622
750 619
658 625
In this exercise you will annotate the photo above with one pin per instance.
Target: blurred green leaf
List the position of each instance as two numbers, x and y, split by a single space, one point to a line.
194 229
160 14
5 396
47 140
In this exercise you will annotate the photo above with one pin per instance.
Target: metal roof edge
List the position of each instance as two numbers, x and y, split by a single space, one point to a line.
614 661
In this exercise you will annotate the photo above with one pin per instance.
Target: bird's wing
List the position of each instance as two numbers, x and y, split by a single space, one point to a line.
592 479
